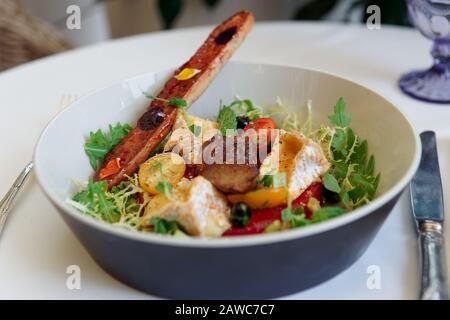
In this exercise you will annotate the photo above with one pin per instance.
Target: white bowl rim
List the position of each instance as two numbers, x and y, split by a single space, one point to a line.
235 241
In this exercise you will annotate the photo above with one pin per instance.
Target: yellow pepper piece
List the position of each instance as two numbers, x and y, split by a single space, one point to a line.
169 167
187 73
262 198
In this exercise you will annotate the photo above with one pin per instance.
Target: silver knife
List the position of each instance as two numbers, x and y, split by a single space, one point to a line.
428 209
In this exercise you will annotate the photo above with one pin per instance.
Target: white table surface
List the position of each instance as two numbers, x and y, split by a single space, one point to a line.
37 246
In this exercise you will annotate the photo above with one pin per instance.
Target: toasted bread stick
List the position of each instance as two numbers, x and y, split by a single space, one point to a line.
157 122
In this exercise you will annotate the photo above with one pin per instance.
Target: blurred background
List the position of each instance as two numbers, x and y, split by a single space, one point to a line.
30 29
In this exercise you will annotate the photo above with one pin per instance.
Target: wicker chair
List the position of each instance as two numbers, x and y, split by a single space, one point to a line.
24 37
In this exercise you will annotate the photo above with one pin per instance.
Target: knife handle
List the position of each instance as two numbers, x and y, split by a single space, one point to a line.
434 280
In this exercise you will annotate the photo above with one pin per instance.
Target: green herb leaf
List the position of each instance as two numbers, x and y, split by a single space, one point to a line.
118 132
360 155
177 102
99 144
370 168
352 167
95 200
96 147
163 226
121 186
165 188
181 103
295 217
331 183
327 213
227 120
287 215
149 96
340 118
84 197
249 104
266 180
339 143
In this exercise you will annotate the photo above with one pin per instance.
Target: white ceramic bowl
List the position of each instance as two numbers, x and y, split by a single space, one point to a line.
60 158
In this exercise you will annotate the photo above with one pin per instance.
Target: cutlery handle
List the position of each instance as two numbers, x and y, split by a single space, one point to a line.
7 201
434 279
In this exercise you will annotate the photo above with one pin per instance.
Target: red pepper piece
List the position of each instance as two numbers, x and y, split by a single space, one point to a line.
313 191
264 217
112 167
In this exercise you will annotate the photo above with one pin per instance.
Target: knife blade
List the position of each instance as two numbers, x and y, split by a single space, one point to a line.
428 211
426 186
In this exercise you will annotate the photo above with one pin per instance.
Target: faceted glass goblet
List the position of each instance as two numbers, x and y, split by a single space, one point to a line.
432 18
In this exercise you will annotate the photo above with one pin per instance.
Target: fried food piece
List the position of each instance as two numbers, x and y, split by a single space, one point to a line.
231 167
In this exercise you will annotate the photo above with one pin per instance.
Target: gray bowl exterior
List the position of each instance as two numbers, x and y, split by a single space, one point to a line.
260 271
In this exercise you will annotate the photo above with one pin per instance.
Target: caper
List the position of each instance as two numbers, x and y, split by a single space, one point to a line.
242 121
240 215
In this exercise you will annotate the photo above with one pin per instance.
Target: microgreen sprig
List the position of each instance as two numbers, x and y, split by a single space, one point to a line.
352 175
100 143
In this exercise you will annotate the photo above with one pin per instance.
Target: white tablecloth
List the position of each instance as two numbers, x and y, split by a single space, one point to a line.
37 247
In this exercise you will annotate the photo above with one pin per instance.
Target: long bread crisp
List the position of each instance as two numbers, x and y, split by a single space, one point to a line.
157 122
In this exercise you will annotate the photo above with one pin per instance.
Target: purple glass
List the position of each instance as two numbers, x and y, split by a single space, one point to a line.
432 18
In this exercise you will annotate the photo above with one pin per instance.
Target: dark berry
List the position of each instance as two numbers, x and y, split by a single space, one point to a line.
240 215
242 121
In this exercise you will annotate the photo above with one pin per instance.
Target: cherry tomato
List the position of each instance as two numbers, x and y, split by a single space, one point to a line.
266 124
261 123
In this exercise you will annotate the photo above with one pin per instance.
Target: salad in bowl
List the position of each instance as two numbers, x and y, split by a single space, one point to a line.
245 172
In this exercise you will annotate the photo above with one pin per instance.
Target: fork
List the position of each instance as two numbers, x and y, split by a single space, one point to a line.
8 199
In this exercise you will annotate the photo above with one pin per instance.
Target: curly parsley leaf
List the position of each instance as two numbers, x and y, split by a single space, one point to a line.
95 202
340 118
99 144
352 172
